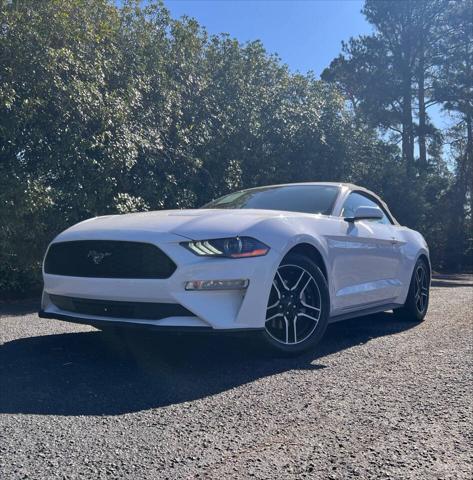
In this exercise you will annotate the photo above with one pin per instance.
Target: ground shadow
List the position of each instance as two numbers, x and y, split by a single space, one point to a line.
453 276
451 280
92 373
449 284
16 309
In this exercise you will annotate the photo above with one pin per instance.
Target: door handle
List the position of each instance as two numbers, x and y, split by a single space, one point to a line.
394 241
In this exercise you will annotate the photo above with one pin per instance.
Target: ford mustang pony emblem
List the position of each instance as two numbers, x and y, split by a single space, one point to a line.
97 257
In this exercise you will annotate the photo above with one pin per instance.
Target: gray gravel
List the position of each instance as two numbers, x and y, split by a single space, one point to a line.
379 399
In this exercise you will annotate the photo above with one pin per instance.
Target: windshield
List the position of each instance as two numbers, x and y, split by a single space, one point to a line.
290 198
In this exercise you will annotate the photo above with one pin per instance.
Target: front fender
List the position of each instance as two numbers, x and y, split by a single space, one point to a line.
284 233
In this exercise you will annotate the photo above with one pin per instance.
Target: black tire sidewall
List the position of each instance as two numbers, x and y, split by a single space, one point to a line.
317 334
410 312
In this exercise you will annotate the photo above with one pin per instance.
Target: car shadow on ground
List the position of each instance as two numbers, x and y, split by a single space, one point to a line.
93 373
17 309
448 284
452 280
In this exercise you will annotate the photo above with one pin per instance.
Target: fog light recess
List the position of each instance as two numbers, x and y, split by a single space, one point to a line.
238 284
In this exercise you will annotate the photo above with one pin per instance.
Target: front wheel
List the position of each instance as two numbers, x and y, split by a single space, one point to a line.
298 306
417 302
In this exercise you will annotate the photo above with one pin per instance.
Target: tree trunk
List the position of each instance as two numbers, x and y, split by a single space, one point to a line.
469 183
407 73
422 113
407 126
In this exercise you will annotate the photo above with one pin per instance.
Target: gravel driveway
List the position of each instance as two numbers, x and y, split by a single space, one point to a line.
379 399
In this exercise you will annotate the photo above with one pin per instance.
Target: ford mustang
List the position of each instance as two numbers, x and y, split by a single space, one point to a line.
282 260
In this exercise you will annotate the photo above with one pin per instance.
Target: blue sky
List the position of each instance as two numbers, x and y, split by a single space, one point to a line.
306 34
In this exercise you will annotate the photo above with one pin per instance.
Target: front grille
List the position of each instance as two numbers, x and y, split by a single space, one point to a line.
108 259
108 308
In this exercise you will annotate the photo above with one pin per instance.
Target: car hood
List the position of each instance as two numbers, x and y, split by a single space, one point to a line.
193 224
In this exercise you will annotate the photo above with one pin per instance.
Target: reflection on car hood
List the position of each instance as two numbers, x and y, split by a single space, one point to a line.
194 224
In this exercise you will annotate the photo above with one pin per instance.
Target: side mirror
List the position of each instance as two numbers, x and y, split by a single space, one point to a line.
366 213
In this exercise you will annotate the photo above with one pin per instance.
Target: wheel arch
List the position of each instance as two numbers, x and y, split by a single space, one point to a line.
425 257
313 253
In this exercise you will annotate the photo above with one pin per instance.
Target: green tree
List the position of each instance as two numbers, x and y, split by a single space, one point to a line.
387 75
111 109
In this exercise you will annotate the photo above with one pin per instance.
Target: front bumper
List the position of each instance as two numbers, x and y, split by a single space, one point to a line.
102 324
209 310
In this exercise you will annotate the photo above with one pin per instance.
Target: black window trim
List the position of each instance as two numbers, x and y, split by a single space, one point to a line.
373 199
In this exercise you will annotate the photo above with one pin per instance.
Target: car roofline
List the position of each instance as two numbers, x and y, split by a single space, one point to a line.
343 186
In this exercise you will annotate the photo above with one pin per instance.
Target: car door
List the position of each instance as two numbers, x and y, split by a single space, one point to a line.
366 259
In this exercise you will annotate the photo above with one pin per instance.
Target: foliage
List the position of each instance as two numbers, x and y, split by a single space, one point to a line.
107 109
420 55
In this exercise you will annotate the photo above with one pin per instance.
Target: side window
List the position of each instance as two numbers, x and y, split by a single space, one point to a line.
356 200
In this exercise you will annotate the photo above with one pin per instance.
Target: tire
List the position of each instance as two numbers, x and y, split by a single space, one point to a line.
298 307
417 302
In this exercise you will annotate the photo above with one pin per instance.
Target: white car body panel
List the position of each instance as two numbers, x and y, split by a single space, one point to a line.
368 265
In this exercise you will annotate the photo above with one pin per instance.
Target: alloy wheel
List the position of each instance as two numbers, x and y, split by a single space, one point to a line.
421 289
294 307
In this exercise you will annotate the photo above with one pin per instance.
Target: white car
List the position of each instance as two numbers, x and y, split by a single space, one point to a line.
283 260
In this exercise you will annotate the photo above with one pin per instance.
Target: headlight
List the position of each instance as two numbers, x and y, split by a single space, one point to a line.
236 247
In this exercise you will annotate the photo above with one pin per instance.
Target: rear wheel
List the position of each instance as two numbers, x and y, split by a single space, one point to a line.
298 306
417 302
